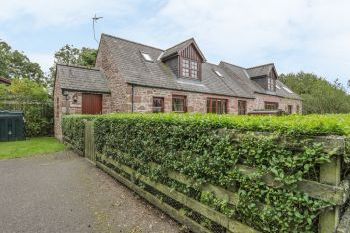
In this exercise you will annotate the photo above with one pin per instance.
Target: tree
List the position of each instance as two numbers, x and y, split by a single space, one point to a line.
319 96
24 90
16 64
71 55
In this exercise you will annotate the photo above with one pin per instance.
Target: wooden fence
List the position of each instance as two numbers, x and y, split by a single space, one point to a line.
329 188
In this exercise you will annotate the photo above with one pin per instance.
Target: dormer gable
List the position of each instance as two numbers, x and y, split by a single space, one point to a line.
185 59
264 75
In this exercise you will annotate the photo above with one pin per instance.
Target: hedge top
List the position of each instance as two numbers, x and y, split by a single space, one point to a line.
309 125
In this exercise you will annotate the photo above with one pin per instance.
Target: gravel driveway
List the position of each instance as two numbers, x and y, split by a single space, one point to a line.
63 192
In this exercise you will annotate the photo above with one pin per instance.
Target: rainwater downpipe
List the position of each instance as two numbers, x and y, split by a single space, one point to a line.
132 97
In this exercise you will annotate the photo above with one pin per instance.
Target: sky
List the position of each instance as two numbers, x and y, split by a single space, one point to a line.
296 35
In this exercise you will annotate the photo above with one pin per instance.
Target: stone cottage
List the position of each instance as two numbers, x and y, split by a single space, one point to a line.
133 77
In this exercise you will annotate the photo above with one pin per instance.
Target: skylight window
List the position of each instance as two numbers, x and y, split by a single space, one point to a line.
218 73
288 90
146 56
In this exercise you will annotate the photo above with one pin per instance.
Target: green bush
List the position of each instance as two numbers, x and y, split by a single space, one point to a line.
73 129
207 149
33 100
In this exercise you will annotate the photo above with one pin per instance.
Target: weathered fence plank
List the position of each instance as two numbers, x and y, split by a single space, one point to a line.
223 220
172 212
90 150
330 174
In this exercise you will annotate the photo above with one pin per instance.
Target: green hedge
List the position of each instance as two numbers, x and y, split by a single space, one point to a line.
207 148
73 129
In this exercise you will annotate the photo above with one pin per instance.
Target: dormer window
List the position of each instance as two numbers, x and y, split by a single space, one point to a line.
189 68
186 68
147 57
270 84
194 69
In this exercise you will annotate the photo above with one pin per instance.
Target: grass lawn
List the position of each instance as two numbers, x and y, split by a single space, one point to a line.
33 146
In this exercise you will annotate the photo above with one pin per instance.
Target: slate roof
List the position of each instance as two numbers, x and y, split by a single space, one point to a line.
236 80
135 70
81 79
244 76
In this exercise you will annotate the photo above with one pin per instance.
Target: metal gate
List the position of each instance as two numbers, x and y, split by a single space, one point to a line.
11 126
89 141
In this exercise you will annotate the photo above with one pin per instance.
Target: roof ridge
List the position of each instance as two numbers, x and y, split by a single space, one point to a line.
78 66
130 41
260 66
210 63
179 43
232 65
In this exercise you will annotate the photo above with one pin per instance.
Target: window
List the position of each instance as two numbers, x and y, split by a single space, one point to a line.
287 89
186 68
298 109
218 106
290 109
271 105
218 73
242 107
194 69
270 84
146 56
179 103
189 68
158 104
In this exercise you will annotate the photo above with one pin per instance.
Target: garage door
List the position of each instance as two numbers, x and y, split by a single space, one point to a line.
92 104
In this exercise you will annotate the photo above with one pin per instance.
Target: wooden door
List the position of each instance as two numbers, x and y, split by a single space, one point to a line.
92 104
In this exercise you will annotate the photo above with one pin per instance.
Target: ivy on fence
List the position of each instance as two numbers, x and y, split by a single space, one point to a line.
211 149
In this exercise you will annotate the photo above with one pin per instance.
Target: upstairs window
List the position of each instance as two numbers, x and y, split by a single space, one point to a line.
218 106
189 68
271 105
288 90
179 103
270 84
186 68
218 73
194 69
147 57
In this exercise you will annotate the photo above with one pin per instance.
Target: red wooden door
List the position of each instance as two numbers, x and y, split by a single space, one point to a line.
92 104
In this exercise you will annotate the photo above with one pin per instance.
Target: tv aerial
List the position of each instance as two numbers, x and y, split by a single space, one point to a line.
94 20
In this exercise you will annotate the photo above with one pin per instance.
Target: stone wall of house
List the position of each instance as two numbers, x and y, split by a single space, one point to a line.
74 104
57 97
196 102
283 103
117 85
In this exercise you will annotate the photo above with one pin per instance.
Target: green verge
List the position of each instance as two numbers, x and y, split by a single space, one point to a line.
30 147
207 148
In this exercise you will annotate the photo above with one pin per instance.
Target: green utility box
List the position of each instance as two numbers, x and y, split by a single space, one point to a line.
11 126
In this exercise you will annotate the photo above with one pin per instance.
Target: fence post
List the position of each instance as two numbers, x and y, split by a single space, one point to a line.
330 174
90 151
